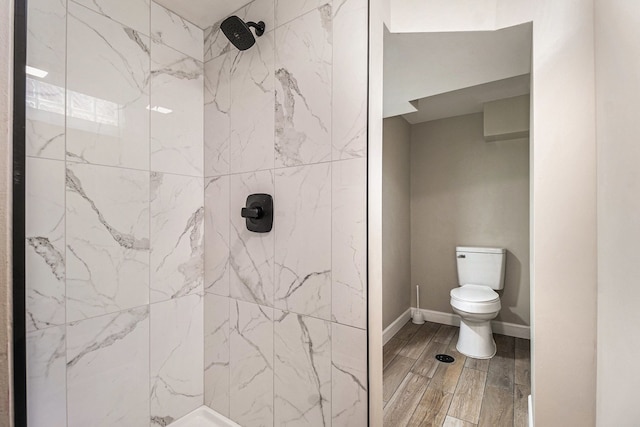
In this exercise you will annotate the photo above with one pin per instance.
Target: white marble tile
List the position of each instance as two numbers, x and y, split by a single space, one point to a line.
259 10
45 100
217 102
132 13
251 257
303 240
349 242
107 240
251 361
175 31
177 358
45 243
302 371
349 104
44 131
216 235
349 376
216 44
177 236
177 103
303 89
216 353
287 10
108 370
251 114
46 377
108 91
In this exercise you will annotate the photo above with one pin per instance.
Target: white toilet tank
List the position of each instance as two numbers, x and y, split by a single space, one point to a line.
481 266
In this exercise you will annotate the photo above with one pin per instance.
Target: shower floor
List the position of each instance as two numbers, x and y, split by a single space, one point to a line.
203 417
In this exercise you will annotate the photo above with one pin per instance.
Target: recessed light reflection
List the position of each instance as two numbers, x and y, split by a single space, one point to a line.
36 72
159 109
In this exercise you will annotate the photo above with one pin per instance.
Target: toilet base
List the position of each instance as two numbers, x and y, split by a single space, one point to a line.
476 339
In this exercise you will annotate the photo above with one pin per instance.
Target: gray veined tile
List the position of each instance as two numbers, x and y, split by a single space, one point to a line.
172 30
251 360
349 242
46 380
217 103
302 370
215 42
252 254
177 103
45 239
108 91
303 89
303 240
177 236
251 110
216 235
349 103
108 369
349 376
107 240
177 358
45 96
286 10
216 353
132 13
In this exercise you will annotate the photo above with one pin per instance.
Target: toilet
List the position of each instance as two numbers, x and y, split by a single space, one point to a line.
480 274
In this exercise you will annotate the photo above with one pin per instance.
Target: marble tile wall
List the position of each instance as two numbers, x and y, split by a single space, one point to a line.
285 311
115 214
147 296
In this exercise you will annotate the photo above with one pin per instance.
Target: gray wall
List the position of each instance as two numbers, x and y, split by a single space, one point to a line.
465 191
396 226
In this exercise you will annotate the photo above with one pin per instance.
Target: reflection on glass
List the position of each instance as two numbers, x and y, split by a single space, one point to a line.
48 97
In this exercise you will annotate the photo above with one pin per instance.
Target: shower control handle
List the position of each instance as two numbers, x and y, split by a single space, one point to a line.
258 213
252 212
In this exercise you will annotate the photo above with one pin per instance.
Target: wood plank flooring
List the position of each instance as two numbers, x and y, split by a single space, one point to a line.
420 391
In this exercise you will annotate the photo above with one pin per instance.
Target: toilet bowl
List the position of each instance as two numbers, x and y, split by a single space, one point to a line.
480 274
477 306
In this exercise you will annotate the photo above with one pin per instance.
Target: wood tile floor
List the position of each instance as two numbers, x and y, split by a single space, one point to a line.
420 391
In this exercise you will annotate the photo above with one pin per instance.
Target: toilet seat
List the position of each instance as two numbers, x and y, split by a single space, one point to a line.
475 299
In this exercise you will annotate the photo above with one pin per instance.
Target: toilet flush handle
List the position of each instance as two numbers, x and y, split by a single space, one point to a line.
462 256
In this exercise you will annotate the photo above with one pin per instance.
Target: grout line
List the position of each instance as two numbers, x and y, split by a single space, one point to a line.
64 159
149 173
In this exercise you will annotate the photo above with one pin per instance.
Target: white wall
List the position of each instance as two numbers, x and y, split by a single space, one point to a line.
618 103
563 185
468 192
6 82
396 231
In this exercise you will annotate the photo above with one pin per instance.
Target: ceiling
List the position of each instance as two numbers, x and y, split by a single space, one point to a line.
203 13
468 100
418 66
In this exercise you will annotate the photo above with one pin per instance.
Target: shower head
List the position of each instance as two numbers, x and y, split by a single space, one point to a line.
238 32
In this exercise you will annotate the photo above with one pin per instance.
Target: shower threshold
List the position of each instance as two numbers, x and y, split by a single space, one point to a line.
204 417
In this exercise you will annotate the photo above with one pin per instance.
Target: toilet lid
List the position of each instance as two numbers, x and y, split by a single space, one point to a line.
474 293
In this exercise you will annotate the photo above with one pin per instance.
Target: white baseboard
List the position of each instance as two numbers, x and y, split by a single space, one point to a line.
502 328
395 326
